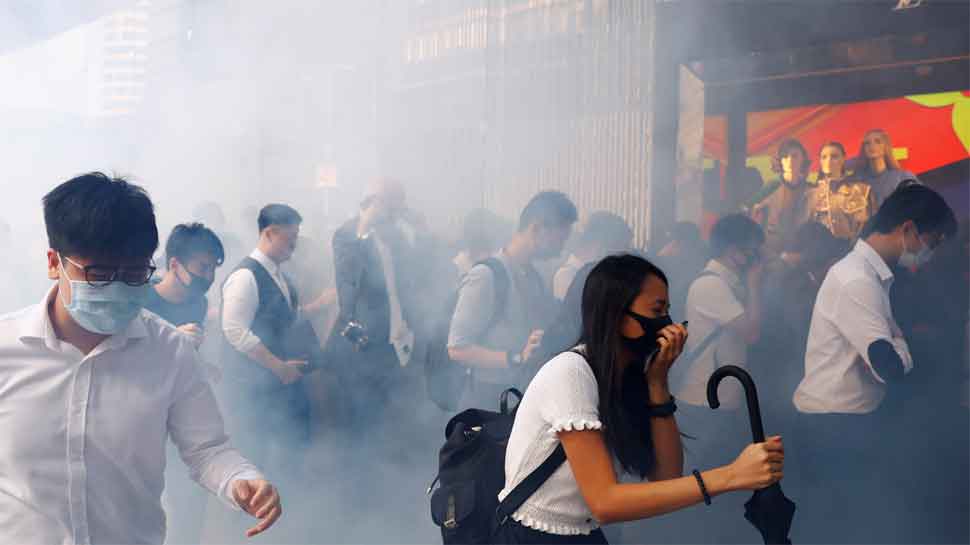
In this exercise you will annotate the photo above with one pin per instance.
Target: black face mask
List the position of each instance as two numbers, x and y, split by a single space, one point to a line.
197 286
643 345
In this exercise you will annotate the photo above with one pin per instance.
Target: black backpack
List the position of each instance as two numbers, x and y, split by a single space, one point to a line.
471 473
446 379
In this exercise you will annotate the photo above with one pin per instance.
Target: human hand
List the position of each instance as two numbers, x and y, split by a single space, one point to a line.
672 248
327 298
194 331
758 466
535 340
371 214
290 371
260 499
671 340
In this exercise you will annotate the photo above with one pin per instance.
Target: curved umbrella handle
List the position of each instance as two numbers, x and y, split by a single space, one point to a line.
750 392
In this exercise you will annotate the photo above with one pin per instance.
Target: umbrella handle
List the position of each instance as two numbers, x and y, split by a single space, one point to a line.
750 392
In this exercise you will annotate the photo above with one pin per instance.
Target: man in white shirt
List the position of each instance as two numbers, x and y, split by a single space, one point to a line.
723 310
268 345
605 233
855 354
855 348
92 387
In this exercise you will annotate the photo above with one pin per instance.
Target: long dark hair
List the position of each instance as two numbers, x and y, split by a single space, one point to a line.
611 288
784 149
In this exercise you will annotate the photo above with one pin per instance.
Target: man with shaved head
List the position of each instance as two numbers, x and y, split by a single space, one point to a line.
378 263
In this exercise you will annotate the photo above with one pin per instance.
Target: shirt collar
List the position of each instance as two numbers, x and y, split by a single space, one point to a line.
36 324
463 261
724 272
869 254
265 261
575 262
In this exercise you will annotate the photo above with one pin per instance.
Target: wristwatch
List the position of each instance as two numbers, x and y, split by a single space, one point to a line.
514 358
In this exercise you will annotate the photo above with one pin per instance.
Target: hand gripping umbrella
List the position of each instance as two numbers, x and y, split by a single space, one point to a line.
768 509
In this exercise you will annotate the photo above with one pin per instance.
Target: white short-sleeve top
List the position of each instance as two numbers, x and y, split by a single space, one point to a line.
563 396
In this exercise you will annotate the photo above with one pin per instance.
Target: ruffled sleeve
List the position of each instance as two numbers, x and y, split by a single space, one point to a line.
569 396
575 424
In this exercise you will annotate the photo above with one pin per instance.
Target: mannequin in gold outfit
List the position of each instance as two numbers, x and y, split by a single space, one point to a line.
840 202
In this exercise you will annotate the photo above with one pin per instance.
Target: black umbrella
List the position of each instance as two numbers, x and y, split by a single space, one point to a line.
768 509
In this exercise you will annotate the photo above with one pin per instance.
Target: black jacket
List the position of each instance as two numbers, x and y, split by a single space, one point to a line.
362 294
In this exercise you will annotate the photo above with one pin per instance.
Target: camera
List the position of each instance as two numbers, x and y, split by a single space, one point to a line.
356 333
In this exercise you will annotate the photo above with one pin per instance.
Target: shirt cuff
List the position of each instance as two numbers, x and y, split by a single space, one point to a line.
244 475
243 342
899 344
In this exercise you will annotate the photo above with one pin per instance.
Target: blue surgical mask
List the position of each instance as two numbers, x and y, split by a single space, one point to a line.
105 310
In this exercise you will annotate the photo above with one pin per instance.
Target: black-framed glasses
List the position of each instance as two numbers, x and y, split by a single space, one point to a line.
102 275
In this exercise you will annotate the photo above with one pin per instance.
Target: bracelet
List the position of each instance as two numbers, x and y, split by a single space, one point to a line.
513 358
663 410
700 483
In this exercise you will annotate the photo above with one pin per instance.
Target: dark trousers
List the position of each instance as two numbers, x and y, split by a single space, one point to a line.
375 389
511 532
262 419
845 479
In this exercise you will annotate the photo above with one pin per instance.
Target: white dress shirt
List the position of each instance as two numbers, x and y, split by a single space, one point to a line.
714 301
401 337
240 301
851 312
83 450
565 275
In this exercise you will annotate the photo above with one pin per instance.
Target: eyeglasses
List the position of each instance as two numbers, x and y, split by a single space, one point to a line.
102 275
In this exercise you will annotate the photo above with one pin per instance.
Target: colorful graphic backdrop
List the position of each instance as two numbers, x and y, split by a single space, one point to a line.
927 131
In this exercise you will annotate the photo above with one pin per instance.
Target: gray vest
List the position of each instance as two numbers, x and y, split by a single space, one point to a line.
272 324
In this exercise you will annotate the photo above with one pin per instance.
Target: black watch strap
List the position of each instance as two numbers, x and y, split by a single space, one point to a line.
662 410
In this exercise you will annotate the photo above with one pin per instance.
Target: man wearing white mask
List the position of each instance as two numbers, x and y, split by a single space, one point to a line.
92 388
856 355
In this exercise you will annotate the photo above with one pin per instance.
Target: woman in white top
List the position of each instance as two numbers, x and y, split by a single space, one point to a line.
612 413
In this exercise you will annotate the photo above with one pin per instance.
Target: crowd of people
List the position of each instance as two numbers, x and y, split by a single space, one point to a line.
846 299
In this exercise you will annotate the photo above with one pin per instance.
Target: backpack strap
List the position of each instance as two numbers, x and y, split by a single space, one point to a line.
501 281
689 357
699 349
525 489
